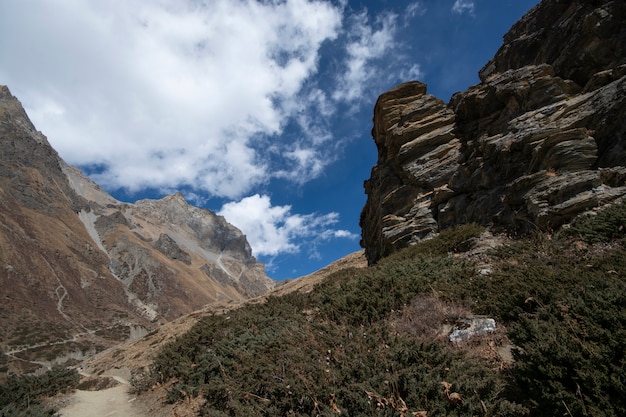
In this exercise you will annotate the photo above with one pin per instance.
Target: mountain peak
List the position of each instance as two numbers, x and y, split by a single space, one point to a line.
82 271
178 196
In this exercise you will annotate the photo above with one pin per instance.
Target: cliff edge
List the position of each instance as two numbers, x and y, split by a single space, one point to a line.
539 141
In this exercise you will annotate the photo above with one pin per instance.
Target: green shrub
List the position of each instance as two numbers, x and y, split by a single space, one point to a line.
609 223
337 349
564 309
34 410
21 395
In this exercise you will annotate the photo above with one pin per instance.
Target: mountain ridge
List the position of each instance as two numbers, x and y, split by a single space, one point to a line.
81 271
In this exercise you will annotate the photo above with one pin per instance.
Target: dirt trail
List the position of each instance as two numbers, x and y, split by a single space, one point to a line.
118 361
109 402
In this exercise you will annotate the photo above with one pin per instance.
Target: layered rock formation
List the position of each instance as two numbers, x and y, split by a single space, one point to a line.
540 140
81 271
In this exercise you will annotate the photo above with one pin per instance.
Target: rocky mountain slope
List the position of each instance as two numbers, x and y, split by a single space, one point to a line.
136 357
81 271
539 141
535 144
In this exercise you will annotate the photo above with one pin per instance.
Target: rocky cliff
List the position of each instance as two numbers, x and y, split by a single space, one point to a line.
539 141
81 271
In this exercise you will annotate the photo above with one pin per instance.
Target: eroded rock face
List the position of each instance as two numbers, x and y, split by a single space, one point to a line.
59 299
540 140
168 246
579 38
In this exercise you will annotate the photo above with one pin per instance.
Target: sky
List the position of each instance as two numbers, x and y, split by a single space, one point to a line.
259 110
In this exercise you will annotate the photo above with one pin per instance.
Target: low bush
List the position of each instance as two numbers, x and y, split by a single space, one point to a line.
608 224
343 348
21 395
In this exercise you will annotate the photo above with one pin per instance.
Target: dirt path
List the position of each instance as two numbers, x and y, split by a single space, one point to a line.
109 402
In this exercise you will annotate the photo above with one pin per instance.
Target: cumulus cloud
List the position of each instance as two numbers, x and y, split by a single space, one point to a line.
463 6
271 230
165 93
216 98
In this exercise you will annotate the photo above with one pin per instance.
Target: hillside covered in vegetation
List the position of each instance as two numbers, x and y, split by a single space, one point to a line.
375 342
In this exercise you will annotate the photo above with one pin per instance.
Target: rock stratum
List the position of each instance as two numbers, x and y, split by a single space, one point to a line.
539 141
81 271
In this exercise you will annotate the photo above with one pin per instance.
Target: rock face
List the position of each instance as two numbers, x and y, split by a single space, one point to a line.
81 271
540 140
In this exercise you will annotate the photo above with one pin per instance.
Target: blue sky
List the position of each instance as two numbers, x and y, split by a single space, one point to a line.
258 110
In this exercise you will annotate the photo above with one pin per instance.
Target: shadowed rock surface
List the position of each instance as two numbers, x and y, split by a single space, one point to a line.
540 140
168 246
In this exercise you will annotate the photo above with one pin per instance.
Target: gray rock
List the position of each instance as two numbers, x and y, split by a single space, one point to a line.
167 246
472 327
539 141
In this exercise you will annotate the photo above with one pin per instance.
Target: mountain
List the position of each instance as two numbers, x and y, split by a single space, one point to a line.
539 141
138 355
536 144
174 257
81 271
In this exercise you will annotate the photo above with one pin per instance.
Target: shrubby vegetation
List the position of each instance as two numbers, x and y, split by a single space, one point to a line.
609 224
21 395
3 363
362 343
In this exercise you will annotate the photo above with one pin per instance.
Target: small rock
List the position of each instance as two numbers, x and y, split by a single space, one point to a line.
471 327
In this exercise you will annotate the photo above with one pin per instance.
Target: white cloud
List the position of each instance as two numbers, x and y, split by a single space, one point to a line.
365 45
309 152
462 6
164 93
414 9
308 162
213 98
172 94
344 233
271 230
412 73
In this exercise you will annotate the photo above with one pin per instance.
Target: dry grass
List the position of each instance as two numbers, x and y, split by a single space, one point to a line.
427 316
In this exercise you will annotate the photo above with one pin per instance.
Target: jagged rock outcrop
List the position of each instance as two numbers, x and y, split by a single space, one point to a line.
81 271
540 140
579 39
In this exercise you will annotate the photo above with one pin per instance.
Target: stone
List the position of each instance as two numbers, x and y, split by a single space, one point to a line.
472 327
578 38
168 246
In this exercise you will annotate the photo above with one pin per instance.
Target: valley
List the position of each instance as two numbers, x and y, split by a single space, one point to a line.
491 280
